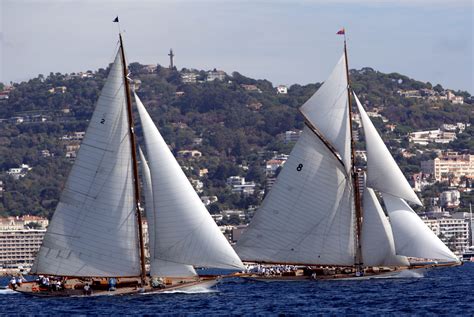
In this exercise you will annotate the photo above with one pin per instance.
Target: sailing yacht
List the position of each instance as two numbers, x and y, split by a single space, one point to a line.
95 240
318 219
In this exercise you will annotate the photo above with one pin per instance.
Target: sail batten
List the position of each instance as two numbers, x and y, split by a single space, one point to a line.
93 231
307 216
383 173
185 232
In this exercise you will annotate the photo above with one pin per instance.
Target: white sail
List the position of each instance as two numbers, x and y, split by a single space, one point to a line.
94 231
383 173
412 237
308 215
185 231
378 247
158 267
328 111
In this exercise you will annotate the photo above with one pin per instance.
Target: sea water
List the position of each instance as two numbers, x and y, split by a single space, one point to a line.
443 291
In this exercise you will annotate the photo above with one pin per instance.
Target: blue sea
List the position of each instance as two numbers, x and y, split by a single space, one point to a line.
444 291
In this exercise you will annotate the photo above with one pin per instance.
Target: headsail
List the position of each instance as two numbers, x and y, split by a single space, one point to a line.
185 231
94 231
158 267
378 247
328 111
308 215
412 237
383 173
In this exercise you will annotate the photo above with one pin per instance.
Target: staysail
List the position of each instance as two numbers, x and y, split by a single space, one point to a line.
328 111
383 173
93 231
158 267
307 217
185 232
412 237
378 247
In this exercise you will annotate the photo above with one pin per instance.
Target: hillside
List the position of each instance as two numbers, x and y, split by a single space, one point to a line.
235 122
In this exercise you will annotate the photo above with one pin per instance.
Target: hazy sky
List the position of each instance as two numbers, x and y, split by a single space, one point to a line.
284 41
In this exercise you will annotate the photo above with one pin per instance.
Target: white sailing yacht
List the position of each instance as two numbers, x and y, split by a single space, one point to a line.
95 233
315 216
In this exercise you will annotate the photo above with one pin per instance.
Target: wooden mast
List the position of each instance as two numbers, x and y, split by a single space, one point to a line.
136 180
355 177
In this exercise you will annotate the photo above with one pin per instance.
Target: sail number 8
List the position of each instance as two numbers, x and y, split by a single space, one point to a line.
299 167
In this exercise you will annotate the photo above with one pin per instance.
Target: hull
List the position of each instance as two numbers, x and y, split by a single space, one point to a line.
126 286
401 272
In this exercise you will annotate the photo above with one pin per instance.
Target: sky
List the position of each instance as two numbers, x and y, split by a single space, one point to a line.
285 42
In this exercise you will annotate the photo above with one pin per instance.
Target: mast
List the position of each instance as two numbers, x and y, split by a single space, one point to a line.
355 176
136 180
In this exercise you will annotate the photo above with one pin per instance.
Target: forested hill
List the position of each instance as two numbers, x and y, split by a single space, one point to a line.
236 123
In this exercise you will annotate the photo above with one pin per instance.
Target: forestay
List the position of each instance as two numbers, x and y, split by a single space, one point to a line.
308 215
184 230
158 267
378 247
412 237
94 231
328 111
383 173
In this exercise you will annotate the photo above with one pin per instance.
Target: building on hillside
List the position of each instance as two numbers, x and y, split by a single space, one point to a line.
450 199
251 88
291 136
20 243
430 136
189 77
18 172
187 154
227 214
453 232
215 74
207 200
282 90
449 165
235 180
197 184
458 100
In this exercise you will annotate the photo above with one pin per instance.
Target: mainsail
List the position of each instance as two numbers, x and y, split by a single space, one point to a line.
383 173
378 247
93 230
308 215
412 237
158 267
184 231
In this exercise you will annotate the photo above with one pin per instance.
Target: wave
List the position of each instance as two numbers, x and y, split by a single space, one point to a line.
7 291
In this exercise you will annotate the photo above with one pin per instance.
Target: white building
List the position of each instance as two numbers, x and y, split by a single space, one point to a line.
430 136
235 180
453 232
19 244
449 164
189 78
282 90
21 171
291 136
450 199
215 74
207 200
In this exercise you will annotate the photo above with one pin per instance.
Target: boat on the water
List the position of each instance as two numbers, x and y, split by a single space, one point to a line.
94 243
323 216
